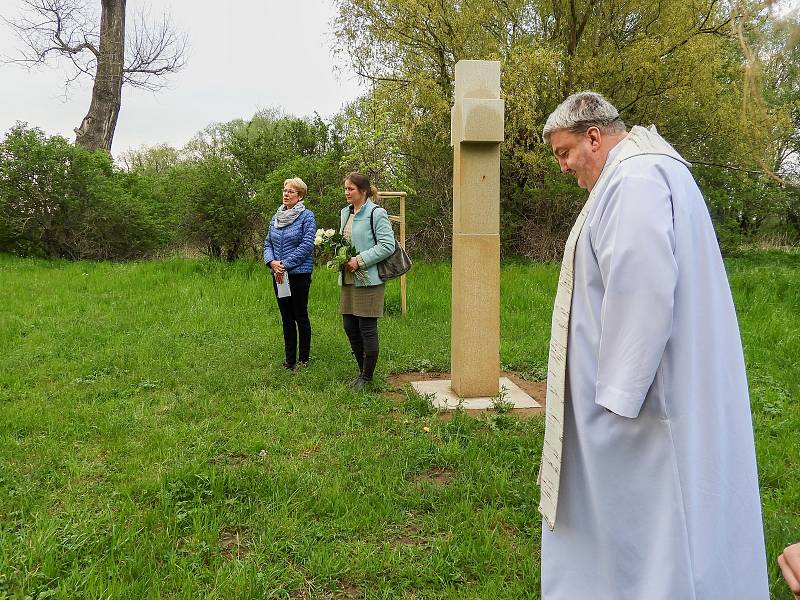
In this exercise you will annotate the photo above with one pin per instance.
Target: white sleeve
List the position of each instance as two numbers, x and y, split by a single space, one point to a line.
634 242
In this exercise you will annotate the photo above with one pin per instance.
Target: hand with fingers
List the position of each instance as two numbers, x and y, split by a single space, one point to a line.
278 268
789 562
352 265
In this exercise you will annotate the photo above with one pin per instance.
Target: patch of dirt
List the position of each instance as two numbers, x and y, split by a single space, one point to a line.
396 395
535 389
234 459
232 542
437 476
411 535
311 592
308 453
510 532
404 540
400 379
349 591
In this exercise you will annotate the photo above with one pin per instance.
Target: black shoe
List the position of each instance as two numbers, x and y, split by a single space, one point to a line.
290 366
360 384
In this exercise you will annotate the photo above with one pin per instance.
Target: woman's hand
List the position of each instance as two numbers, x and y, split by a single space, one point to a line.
352 265
278 268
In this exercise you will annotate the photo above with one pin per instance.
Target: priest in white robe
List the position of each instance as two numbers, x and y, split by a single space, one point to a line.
652 482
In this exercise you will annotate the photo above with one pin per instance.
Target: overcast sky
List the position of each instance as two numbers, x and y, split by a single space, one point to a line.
244 55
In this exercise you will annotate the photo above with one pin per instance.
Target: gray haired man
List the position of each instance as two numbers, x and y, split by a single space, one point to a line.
649 484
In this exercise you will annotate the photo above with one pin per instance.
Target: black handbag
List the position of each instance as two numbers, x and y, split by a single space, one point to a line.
397 263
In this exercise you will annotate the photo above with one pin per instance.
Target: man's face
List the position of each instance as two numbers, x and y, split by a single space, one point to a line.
579 154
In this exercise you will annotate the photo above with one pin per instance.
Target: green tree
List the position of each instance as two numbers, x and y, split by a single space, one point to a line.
678 65
323 176
373 141
152 160
235 172
60 200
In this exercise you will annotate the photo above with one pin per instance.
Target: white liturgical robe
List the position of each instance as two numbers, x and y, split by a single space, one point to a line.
658 487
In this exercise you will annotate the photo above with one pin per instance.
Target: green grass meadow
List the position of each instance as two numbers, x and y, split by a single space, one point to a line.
151 446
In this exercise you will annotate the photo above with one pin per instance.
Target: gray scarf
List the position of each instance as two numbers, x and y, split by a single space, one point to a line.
287 216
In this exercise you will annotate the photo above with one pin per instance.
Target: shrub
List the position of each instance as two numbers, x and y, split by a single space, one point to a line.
219 214
60 200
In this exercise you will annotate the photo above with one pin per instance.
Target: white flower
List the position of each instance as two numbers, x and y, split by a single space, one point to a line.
317 241
329 232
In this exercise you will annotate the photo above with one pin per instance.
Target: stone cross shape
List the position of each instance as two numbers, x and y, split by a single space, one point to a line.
476 134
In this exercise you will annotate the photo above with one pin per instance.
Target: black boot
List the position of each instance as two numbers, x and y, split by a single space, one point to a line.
367 372
351 328
370 360
360 361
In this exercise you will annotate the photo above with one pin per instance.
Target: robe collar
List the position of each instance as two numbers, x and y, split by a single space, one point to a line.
646 140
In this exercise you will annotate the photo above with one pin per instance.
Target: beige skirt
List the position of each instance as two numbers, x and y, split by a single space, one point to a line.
364 301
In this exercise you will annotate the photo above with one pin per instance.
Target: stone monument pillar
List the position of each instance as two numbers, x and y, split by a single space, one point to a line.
476 133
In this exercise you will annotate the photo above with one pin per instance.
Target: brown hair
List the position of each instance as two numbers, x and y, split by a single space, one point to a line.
362 182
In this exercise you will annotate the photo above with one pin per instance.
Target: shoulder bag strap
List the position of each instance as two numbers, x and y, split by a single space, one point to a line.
372 225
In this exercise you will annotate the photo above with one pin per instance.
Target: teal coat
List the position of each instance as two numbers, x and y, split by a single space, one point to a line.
370 252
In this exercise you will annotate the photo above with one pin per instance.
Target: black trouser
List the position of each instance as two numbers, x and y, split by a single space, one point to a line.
363 335
294 315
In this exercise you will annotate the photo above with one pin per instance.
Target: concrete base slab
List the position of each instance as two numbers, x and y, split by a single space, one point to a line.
446 399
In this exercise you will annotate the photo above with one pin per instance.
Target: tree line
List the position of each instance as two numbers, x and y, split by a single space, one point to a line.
214 195
719 79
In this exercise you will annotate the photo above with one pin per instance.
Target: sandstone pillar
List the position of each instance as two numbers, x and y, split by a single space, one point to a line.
476 133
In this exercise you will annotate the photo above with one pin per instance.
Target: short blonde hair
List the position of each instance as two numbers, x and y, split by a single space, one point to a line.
298 184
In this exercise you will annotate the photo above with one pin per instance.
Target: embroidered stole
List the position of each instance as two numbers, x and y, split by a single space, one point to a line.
639 141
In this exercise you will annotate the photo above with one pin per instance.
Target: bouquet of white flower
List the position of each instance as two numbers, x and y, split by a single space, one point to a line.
328 242
323 238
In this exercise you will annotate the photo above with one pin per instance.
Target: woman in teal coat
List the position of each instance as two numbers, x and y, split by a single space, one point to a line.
366 226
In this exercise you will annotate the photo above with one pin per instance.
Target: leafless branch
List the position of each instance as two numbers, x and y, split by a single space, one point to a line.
60 27
69 29
766 172
153 50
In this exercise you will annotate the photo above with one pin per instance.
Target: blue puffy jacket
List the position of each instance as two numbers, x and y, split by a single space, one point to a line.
293 244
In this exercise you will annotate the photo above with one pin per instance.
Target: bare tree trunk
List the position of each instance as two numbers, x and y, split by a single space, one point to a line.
97 129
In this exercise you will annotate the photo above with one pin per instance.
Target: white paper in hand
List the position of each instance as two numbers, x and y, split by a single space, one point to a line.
283 288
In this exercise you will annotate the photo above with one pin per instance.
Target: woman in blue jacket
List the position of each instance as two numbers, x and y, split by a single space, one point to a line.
366 226
288 252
